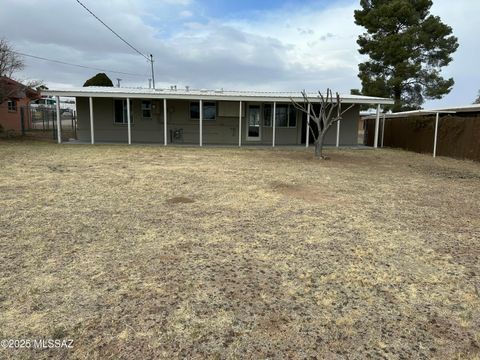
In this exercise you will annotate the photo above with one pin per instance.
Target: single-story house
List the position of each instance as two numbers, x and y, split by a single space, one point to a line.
14 99
203 117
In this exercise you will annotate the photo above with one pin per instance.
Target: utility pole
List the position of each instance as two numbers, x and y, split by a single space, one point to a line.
118 82
153 74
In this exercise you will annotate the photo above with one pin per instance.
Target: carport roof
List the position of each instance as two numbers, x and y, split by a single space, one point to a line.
203 94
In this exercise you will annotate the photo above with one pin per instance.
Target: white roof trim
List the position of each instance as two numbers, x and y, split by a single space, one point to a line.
451 110
405 114
204 95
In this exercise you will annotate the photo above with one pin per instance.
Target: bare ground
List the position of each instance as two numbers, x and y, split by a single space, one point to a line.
151 252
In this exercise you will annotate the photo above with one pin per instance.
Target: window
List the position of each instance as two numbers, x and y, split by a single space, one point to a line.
195 110
12 105
120 112
209 110
146 109
292 116
285 115
281 116
267 115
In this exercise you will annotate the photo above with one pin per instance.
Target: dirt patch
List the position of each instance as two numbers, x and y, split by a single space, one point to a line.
446 172
308 193
180 200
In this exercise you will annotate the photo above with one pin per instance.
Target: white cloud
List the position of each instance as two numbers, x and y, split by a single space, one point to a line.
185 13
287 49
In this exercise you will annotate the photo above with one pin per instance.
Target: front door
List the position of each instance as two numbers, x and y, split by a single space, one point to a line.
253 123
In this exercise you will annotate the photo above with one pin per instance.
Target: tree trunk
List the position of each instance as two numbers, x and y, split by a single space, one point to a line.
397 96
319 145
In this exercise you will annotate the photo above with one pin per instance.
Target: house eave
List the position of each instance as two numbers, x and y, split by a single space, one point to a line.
207 95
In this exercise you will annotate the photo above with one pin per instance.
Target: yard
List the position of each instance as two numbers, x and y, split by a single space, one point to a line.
152 252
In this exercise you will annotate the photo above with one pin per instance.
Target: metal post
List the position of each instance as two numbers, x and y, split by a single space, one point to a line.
153 73
240 126
129 123
307 136
201 122
435 137
165 122
377 121
92 133
274 122
383 130
75 121
59 121
337 144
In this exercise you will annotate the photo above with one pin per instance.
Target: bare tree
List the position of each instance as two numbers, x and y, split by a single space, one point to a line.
329 113
10 61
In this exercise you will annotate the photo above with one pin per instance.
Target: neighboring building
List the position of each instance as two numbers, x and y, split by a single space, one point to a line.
453 132
14 97
203 117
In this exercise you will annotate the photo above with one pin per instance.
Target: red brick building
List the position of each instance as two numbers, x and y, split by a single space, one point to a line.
13 97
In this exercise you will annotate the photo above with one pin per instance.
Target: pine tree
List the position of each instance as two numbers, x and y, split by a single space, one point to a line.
101 79
407 47
477 100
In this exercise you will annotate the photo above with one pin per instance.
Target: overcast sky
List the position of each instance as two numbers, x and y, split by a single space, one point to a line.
248 44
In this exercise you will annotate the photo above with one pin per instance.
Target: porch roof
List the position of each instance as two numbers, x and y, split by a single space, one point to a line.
203 94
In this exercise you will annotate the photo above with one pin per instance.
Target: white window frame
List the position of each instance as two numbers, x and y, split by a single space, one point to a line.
247 125
12 105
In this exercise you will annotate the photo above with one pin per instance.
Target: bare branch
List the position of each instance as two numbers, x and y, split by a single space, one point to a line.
329 112
10 61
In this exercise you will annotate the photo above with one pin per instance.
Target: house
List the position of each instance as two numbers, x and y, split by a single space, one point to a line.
453 132
203 117
14 100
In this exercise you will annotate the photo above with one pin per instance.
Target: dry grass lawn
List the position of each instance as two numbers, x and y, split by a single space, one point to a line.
152 252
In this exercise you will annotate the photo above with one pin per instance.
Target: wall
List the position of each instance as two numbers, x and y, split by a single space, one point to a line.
11 121
223 130
458 136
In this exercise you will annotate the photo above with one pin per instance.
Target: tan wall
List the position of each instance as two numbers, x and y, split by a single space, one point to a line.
223 130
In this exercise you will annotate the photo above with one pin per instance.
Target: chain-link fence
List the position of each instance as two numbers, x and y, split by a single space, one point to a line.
42 120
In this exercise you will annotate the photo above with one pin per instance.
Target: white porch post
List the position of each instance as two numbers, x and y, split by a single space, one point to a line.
240 125
338 134
201 121
383 130
128 122
92 133
165 122
436 135
274 122
59 121
377 121
307 135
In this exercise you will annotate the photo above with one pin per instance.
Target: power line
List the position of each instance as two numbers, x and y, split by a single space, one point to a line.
76 65
113 31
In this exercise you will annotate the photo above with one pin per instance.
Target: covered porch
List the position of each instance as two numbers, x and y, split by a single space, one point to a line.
202 117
